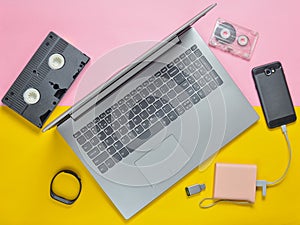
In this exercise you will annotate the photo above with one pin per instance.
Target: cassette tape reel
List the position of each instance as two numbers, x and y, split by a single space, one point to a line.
45 79
234 39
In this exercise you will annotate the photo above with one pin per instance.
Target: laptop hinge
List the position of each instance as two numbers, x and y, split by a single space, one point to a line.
183 31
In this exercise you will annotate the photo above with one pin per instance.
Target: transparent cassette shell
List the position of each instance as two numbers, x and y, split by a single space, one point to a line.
234 39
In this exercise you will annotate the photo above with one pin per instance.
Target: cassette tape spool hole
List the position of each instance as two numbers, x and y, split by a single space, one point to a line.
56 61
225 33
31 96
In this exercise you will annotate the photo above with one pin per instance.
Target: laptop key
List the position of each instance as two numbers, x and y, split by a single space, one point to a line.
97 119
102 124
213 85
194 47
139 129
136 109
117 158
182 97
167 108
171 64
207 77
130 103
122 120
151 109
91 124
206 90
186 61
179 79
132 134
150 99
102 168
109 163
180 110
143 104
118 145
109 141
157 94
123 130
88 134
144 114
108 130
187 52
87 146
174 103
123 108
173 71
123 152
180 66
84 129
151 87
125 140
102 146
205 63
192 57
159 113
137 98
198 53
165 77
196 86
165 99
152 118
111 150
95 129
190 91
195 99
171 94
100 158
219 81
130 125
93 153
171 84
94 141
137 120
101 136
164 69
77 134
158 82
144 93
191 68
115 125
187 104
184 84
164 89
197 64
197 75
145 124
201 82
172 116
116 136
165 121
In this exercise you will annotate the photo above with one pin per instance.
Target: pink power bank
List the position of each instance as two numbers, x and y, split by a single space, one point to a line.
235 182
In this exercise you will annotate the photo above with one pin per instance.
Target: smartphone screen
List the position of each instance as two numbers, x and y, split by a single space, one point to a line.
274 94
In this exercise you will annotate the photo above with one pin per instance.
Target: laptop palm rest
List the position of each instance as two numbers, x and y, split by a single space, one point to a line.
163 162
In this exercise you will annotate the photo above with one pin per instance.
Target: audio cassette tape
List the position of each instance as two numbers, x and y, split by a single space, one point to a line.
45 79
232 38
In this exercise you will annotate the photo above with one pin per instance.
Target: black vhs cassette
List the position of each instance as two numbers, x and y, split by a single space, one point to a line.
45 79
232 38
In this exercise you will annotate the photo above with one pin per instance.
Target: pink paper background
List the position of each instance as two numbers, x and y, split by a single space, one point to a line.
96 27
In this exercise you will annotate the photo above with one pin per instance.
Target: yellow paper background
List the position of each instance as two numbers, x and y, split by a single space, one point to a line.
29 160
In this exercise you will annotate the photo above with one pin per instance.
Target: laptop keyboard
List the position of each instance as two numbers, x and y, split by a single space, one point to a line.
153 105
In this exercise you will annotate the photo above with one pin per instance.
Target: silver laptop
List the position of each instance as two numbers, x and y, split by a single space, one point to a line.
156 120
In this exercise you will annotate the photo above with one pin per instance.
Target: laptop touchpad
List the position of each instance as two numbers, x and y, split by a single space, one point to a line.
163 162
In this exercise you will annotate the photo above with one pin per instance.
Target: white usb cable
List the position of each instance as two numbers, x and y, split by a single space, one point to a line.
263 183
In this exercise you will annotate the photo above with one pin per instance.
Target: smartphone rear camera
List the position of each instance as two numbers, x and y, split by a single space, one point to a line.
268 72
